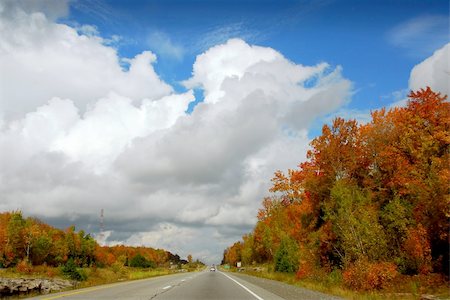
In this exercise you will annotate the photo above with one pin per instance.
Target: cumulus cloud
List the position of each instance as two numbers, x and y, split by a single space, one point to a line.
81 134
433 72
41 59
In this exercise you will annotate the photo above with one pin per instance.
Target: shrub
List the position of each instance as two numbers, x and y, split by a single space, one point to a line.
364 275
305 269
24 267
139 261
70 269
335 277
286 257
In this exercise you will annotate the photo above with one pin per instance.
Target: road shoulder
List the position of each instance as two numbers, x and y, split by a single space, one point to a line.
283 290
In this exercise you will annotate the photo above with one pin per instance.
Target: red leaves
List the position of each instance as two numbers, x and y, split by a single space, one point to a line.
364 275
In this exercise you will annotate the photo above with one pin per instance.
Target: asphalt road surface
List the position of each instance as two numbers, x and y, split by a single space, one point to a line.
202 285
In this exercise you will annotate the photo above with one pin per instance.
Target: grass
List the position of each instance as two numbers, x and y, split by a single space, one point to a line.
98 276
403 287
95 276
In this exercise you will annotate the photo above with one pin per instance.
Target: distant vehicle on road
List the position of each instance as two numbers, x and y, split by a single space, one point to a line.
212 269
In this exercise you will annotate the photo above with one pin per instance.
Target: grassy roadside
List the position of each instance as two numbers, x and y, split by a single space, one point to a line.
403 287
94 276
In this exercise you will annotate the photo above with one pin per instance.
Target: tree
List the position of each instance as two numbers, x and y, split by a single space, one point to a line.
286 258
15 246
355 224
139 261
70 269
368 195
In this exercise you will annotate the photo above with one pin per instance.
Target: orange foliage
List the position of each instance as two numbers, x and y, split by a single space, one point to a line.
417 247
305 269
364 275
24 242
393 174
233 254
24 267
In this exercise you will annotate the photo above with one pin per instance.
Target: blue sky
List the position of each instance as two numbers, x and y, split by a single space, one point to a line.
369 39
172 116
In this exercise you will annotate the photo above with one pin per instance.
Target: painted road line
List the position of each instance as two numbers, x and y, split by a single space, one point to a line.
167 287
243 286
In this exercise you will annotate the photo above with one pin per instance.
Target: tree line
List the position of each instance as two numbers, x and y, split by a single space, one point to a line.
371 200
30 241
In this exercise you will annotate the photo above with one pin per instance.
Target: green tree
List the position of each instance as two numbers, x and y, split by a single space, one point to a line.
70 269
139 261
247 252
41 249
355 223
286 257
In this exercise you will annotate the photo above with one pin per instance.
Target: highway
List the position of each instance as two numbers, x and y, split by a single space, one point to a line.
201 285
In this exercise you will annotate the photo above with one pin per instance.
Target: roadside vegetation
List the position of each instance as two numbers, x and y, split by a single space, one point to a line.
30 248
367 214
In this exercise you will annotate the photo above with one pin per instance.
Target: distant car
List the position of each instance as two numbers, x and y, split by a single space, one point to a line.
212 269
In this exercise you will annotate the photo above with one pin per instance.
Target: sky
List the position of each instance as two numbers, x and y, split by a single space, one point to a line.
172 116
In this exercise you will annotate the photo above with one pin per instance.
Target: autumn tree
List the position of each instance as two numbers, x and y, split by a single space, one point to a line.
370 198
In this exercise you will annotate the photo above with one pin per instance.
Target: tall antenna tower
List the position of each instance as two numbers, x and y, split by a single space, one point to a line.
102 226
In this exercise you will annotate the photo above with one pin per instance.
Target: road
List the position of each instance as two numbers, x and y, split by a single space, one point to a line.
202 285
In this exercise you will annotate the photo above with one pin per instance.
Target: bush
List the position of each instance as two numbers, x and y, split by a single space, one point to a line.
335 277
286 257
305 269
138 261
24 266
70 269
364 275
416 252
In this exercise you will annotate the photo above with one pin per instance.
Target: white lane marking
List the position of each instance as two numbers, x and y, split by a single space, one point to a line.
243 286
183 280
167 287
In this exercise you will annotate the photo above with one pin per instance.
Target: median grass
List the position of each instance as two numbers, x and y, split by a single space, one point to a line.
433 286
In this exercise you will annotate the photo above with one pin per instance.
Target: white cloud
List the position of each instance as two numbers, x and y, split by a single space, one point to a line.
81 134
97 145
433 72
219 63
53 60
